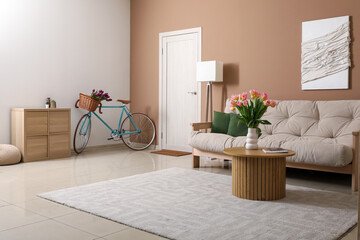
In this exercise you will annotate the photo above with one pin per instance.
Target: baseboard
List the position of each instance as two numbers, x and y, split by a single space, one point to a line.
110 147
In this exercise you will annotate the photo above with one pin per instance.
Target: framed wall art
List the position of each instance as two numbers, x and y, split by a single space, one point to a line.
325 54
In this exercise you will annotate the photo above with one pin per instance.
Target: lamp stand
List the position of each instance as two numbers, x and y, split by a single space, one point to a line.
208 101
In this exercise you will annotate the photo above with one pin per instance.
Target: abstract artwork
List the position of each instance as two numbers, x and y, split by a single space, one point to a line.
325 54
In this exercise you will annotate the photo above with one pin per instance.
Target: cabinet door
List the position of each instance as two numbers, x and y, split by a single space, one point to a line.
59 145
59 121
36 148
36 123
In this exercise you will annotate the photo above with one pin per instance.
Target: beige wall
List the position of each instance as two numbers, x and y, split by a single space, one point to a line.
58 48
258 41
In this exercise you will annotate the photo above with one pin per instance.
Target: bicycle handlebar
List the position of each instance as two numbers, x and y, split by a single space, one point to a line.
100 108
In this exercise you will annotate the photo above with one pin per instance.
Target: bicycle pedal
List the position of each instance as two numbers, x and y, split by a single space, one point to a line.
110 138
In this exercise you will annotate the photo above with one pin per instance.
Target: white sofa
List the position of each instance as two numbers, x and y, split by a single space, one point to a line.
324 135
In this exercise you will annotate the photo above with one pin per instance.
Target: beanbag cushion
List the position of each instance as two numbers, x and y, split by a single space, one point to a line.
9 154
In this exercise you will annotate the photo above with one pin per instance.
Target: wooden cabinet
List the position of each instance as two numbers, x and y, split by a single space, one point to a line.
41 134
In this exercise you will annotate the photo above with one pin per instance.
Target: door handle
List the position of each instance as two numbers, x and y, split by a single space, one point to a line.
193 93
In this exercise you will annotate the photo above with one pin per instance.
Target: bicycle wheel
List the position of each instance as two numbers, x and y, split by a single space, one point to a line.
82 133
141 140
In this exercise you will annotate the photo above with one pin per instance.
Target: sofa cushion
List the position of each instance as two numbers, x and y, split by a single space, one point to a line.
236 128
319 153
220 123
213 142
308 150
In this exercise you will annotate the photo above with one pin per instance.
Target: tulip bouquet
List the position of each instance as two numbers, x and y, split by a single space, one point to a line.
100 95
251 110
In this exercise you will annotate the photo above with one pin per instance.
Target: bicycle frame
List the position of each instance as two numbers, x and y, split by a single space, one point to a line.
114 131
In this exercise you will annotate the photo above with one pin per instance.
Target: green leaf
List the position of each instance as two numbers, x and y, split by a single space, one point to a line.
258 131
241 119
265 122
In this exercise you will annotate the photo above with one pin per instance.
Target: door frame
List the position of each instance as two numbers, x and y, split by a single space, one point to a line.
162 78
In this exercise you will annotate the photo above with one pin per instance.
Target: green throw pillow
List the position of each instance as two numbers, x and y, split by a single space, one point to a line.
236 128
220 123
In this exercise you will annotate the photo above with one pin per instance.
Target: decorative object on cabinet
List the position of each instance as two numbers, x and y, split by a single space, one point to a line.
53 104
47 104
41 134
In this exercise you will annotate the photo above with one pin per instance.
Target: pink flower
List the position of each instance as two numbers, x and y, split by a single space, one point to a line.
272 103
235 97
252 93
245 103
232 103
264 96
243 96
239 103
267 103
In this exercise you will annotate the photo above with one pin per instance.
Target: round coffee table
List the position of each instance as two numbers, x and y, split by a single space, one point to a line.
257 175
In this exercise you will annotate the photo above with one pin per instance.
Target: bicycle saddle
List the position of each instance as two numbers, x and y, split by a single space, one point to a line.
124 101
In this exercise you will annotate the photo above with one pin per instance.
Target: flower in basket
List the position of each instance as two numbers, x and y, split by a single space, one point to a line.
252 109
100 95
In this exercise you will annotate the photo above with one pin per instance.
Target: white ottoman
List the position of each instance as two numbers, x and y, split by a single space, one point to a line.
9 154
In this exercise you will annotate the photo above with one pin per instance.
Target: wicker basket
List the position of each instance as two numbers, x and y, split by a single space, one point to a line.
87 103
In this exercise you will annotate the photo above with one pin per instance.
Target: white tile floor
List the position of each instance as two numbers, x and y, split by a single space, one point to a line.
25 216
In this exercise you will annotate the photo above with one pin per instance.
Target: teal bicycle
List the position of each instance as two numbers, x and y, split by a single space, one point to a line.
137 130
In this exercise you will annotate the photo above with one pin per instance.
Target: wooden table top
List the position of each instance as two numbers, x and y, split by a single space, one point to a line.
243 152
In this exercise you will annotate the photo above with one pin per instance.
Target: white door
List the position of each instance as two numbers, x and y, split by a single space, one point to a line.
180 98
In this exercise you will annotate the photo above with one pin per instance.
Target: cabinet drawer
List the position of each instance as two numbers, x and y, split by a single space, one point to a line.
59 145
36 123
59 121
36 148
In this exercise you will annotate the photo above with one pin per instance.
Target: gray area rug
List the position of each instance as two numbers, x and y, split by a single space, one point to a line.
187 204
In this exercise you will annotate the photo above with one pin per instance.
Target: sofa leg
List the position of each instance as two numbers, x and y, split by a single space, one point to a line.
355 162
196 161
354 181
226 164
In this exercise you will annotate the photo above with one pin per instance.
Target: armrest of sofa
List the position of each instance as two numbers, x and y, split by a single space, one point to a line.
356 141
201 125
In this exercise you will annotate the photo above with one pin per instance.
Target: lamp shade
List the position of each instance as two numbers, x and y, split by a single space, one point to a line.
209 71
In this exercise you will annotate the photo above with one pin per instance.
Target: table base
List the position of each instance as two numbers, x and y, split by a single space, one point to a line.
258 178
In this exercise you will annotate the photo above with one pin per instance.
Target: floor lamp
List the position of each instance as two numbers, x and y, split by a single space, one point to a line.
209 71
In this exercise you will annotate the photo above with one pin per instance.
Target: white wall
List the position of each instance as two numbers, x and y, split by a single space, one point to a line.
58 48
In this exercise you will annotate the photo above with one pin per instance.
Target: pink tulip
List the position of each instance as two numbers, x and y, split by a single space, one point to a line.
252 93
243 96
264 96
235 97
272 103
239 103
245 103
267 103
